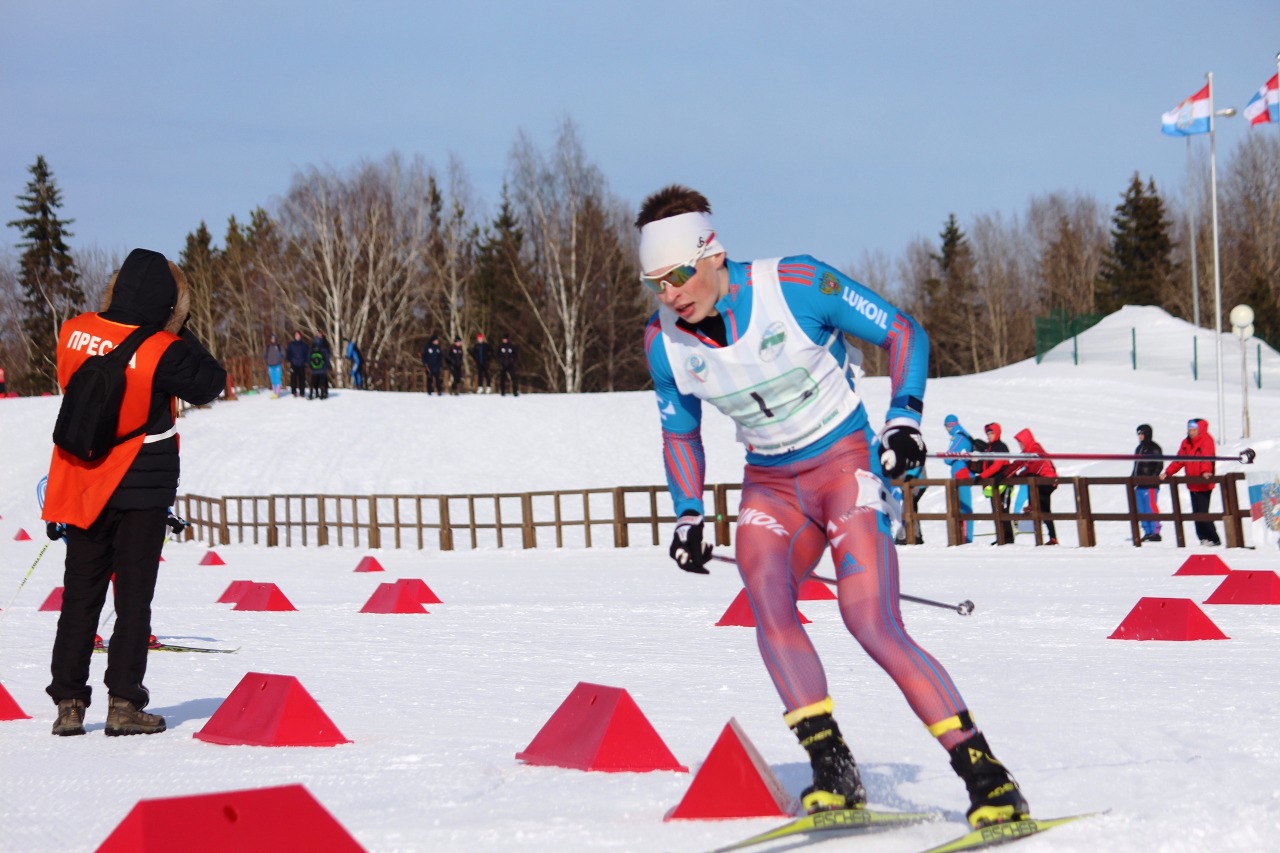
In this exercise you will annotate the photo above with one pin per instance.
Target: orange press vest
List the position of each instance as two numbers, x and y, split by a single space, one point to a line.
78 490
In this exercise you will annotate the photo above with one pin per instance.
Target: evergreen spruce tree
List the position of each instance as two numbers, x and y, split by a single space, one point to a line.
950 304
1138 266
47 276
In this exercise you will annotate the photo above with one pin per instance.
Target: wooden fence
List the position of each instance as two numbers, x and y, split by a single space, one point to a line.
627 515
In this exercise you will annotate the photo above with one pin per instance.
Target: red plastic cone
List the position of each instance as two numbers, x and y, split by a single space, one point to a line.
54 601
1203 564
420 591
1167 619
22 536
369 564
263 596
211 559
234 590
270 710
262 820
1247 588
392 598
812 590
739 613
600 728
734 781
9 707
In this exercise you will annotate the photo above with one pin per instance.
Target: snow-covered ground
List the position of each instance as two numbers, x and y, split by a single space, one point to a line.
1174 737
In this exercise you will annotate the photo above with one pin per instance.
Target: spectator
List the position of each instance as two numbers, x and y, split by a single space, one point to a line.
274 358
507 366
356 363
1147 495
296 354
1040 468
4 392
961 442
319 359
1200 474
481 354
115 509
433 361
454 361
996 470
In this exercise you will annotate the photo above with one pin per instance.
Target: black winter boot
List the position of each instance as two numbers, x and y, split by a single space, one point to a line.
994 796
836 784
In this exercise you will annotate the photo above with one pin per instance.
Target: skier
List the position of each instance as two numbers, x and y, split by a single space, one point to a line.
115 509
1198 443
961 442
763 342
433 361
1146 495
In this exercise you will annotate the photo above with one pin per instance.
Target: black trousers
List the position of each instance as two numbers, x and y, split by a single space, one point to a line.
1204 529
319 386
482 377
503 374
125 543
456 375
434 383
1046 505
297 379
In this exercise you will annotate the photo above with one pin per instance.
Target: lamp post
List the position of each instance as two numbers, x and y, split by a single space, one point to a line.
1242 326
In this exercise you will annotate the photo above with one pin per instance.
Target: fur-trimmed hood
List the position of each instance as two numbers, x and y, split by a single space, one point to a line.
148 289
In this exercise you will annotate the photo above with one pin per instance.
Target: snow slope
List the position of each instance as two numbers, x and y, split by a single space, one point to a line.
1175 738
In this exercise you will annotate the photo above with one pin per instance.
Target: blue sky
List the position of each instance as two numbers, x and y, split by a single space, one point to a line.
828 128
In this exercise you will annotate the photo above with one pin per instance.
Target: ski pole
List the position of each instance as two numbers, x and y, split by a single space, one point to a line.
964 608
26 577
1244 457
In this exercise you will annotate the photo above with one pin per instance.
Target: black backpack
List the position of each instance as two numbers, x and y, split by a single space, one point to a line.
976 466
90 412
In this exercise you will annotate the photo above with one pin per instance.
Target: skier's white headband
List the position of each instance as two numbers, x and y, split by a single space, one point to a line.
665 243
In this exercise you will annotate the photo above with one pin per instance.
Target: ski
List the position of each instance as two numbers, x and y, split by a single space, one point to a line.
836 820
169 647
1003 833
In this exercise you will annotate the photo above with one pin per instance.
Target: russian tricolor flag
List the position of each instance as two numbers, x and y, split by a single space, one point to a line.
1264 106
1189 117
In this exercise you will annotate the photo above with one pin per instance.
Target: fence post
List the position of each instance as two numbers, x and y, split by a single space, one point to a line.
375 535
273 535
446 527
322 531
1230 511
722 514
1084 523
528 534
621 538
224 532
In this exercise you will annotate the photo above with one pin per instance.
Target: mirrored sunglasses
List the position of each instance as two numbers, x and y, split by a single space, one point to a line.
677 276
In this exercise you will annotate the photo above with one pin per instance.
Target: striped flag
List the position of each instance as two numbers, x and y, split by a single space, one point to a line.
1264 106
1189 117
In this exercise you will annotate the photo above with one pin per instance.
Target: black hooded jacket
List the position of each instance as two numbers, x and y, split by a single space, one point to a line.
144 292
1146 447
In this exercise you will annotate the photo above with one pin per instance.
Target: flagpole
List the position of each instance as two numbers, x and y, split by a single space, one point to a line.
1217 268
1191 217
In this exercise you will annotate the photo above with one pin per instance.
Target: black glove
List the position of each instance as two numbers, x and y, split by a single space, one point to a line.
687 547
176 524
55 531
901 449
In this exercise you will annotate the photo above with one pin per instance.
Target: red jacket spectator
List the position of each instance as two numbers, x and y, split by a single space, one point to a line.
1034 468
1197 443
995 467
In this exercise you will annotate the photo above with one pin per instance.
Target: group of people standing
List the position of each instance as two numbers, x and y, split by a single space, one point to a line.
435 359
1197 443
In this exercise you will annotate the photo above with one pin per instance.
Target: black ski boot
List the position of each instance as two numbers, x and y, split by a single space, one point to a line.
836 784
994 796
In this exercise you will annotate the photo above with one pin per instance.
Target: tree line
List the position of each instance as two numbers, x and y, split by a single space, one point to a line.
389 252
